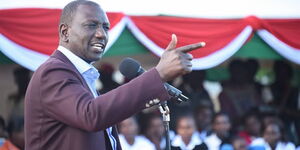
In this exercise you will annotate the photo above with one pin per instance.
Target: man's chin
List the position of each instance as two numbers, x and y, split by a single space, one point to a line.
97 57
93 59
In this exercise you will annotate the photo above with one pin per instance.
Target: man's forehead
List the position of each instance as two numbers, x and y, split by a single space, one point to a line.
92 12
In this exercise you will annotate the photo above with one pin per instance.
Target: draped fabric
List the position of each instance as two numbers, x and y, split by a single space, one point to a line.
29 35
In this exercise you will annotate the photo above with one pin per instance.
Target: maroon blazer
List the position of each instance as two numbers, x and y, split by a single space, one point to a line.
62 114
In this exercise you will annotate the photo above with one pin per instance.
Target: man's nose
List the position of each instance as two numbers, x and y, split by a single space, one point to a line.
100 32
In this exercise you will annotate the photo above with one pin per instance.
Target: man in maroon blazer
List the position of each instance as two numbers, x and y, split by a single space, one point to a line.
62 109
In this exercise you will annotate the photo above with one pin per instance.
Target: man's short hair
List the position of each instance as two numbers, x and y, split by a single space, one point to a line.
220 114
201 107
69 10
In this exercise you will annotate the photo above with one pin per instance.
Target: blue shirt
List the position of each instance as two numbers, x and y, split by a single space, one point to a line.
90 75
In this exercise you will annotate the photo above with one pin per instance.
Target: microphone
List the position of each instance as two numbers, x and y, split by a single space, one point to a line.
130 68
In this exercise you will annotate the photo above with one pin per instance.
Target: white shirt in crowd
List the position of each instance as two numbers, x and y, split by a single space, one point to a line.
178 142
213 142
140 143
279 146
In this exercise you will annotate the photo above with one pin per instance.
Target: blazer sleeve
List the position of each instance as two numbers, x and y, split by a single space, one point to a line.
65 99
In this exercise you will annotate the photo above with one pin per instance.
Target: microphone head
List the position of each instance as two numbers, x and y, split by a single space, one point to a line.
130 68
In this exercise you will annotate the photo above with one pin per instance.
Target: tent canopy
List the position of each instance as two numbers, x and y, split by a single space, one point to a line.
29 35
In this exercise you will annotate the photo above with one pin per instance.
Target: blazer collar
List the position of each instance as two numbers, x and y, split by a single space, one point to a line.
59 55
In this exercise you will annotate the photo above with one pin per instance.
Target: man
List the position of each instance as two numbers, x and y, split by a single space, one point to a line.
62 108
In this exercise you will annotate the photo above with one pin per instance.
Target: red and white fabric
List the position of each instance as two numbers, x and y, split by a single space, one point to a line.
28 35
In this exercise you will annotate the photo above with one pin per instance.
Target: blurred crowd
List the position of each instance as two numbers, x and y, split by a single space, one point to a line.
252 115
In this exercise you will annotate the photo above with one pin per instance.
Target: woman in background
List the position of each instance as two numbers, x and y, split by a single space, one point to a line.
273 138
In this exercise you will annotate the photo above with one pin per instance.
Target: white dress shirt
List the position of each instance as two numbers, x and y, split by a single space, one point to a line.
178 142
140 143
280 145
213 142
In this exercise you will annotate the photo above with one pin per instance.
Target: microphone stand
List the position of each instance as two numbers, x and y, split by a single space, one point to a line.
165 112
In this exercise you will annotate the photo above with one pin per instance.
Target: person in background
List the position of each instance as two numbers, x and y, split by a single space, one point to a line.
16 100
192 87
129 138
238 96
253 66
286 97
251 127
5 143
106 72
16 106
269 117
203 117
273 138
154 131
152 128
16 131
186 138
220 136
21 77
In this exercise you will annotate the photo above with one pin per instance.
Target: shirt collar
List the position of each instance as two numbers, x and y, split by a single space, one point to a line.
79 63
177 141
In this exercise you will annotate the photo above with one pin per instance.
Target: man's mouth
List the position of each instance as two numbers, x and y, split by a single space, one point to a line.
99 47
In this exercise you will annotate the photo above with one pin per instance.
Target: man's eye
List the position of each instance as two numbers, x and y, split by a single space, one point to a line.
92 25
106 28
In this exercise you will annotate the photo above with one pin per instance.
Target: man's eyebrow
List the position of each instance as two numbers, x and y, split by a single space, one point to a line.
96 21
106 23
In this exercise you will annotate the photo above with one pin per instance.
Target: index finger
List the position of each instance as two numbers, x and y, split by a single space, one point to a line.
190 47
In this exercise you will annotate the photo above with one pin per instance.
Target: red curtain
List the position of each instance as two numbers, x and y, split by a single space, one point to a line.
37 29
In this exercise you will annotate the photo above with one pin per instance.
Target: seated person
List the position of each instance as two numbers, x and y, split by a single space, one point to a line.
203 116
186 138
128 136
221 127
251 127
273 138
153 129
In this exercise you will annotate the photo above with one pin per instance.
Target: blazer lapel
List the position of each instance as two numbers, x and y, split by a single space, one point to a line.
59 55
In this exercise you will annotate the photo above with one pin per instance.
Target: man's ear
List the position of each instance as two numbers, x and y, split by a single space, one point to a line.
63 32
